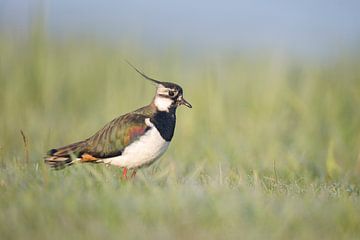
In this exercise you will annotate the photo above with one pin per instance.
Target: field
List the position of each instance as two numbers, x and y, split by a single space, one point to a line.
270 149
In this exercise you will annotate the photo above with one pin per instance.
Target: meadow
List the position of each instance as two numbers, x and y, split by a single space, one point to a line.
270 149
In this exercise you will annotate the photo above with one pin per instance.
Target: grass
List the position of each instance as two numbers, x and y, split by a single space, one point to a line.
269 151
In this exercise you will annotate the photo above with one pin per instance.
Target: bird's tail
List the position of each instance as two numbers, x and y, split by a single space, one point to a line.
64 156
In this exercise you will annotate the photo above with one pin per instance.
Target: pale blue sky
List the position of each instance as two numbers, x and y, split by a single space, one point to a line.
314 27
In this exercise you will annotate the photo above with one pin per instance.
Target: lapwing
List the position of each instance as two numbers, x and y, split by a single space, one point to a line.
131 141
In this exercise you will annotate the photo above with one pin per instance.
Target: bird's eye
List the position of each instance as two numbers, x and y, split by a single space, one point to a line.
171 93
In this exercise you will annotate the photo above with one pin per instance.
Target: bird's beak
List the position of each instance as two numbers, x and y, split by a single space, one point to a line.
184 102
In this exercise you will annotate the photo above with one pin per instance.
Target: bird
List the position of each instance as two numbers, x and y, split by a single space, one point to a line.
131 141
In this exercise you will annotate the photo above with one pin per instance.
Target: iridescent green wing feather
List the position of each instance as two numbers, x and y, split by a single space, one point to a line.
111 140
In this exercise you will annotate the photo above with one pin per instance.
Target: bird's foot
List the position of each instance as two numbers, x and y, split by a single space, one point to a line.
133 173
124 174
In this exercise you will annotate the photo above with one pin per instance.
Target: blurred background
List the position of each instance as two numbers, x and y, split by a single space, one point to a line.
274 81
307 28
270 149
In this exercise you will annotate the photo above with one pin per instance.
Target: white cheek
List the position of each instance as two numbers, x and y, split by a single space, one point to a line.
162 104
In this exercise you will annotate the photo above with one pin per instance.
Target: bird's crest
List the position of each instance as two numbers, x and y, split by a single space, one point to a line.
143 74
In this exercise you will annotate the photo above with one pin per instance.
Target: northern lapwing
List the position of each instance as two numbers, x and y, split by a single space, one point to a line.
131 141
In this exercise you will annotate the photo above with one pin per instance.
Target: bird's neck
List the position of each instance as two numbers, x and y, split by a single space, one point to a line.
163 104
164 122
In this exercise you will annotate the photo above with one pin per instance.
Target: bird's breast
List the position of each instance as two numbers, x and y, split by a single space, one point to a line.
165 124
142 152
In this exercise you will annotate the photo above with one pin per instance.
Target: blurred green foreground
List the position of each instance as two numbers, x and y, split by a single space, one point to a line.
270 150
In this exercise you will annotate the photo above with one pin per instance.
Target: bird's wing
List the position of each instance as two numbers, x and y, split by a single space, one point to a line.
111 140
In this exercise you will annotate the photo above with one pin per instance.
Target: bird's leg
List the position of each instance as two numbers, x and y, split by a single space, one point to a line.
133 173
124 175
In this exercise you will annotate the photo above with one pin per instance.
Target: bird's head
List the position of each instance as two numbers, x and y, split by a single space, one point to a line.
168 95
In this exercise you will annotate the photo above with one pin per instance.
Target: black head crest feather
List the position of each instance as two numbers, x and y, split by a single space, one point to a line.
143 74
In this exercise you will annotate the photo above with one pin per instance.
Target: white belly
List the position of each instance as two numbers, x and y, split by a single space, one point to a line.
142 152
